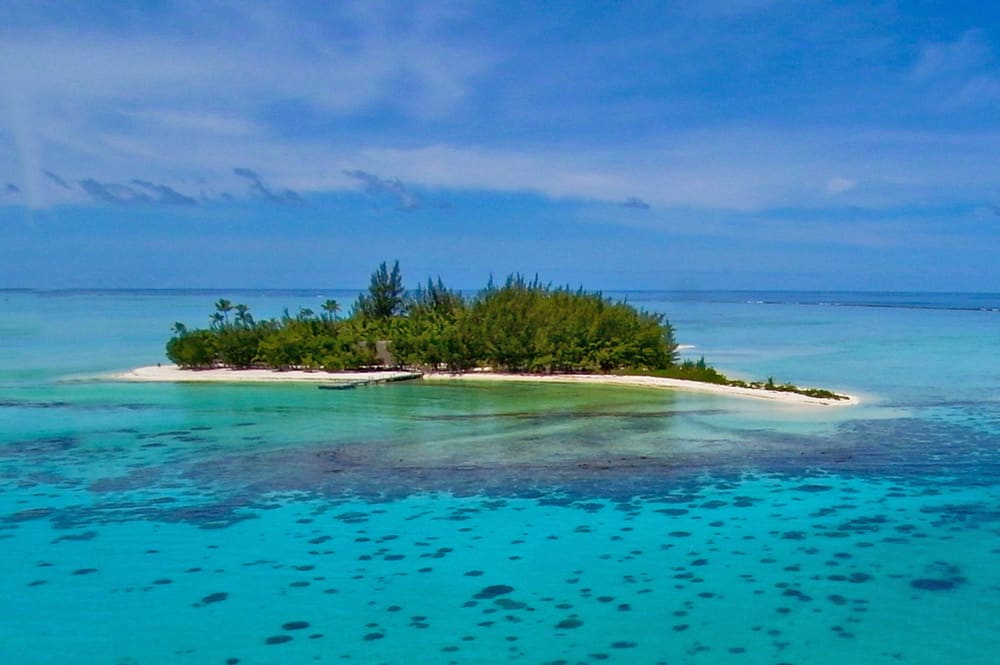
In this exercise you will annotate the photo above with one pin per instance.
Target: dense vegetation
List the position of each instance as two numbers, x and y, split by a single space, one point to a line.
521 326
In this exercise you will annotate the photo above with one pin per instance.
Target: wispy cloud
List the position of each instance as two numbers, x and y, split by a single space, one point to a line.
11 188
261 189
194 122
635 202
340 59
113 193
140 192
960 73
223 82
381 187
737 169
839 185
330 98
56 179
970 51
163 194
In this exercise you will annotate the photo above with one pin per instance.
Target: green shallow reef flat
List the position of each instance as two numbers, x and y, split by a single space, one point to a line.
492 523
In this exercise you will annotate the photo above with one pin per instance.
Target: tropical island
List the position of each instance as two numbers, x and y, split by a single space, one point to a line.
520 330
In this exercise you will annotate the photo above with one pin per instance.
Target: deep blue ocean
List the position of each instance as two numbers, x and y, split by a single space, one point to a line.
507 523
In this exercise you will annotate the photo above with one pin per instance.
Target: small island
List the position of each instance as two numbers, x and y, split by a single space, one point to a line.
520 330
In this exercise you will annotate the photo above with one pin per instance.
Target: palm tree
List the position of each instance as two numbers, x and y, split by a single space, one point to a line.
331 307
179 329
305 314
243 317
224 307
217 320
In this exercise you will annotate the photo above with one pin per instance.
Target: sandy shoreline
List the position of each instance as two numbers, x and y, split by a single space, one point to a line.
648 382
173 374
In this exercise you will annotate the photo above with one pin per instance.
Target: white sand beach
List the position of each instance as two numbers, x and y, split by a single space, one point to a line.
648 382
172 373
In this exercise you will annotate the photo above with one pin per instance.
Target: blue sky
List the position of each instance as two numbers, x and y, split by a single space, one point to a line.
739 144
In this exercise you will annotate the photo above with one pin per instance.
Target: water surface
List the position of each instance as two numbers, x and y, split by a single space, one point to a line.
506 523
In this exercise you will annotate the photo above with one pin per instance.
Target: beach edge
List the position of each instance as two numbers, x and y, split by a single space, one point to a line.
174 374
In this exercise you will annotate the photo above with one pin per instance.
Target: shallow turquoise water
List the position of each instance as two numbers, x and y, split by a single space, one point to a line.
503 523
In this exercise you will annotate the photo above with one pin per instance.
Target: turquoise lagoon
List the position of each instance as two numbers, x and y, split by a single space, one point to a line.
533 524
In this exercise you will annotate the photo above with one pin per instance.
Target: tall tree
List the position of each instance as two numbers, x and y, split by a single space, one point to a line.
331 307
223 306
384 299
243 317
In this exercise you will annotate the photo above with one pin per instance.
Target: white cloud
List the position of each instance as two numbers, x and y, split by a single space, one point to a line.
276 56
738 170
939 59
194 122
131 102
746 170
187 105
958 74
838 185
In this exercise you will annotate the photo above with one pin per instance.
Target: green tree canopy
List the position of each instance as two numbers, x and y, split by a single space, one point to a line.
384 299
523 326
